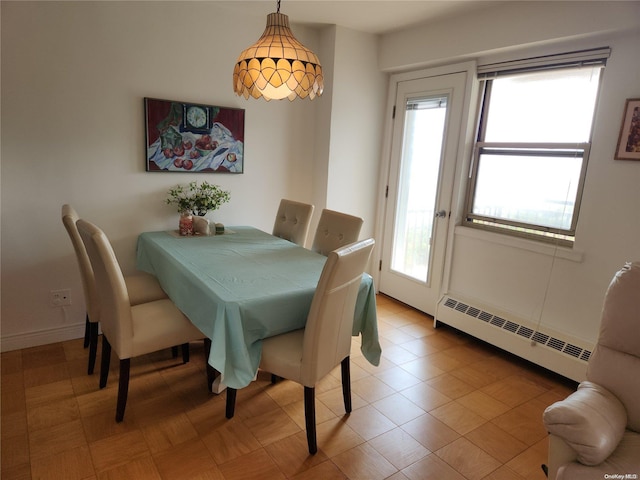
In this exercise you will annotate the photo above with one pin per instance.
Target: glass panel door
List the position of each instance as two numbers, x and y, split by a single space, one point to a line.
418 185
424 146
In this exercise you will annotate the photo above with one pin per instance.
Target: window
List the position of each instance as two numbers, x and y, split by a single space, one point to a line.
532 146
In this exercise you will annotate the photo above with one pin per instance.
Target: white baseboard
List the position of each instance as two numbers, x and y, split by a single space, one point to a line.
41 337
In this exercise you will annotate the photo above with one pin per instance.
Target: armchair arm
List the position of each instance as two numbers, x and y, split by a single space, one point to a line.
591 421
560 453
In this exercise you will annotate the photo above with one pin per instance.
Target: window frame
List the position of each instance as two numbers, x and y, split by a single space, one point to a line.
558 236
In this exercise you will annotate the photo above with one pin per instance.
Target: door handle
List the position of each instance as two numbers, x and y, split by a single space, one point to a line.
441 214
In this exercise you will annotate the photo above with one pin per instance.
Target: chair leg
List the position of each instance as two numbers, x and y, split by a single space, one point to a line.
86 331
185 353
310 418
106 361
93 346
231 402
123 388
346 384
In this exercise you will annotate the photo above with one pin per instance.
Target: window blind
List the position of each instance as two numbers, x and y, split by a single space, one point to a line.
582 58
426 103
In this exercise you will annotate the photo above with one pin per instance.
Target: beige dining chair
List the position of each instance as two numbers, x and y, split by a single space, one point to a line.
307 355
335 229
142 287
292 221
130 330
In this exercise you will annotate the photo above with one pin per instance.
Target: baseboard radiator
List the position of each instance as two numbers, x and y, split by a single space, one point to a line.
555 351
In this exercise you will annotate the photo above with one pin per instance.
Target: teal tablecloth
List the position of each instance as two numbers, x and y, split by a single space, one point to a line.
244 286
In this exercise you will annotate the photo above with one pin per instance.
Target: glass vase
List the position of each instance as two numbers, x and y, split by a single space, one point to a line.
185 226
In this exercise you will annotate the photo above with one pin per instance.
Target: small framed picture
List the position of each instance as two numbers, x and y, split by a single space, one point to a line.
629 140
193 138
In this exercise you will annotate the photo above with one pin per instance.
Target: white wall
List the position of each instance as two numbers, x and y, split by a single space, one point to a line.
349 126
74 75
359 90
321 153
503 28
509 275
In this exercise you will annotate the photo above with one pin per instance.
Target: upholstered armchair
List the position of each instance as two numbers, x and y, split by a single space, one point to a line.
595 432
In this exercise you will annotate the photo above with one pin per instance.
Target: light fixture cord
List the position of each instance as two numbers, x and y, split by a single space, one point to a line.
278 9
553 262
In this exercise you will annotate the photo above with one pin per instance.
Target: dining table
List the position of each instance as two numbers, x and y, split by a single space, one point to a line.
243 286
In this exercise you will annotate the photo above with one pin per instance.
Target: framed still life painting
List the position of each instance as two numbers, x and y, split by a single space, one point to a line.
193 138
629 140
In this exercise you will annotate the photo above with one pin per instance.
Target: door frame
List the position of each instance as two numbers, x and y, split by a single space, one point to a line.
463 159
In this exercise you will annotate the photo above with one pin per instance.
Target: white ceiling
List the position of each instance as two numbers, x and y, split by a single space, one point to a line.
372 16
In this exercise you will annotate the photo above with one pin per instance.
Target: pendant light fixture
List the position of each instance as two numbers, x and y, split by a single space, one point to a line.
278 66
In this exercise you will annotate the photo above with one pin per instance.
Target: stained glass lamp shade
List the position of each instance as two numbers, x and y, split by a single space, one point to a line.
278 66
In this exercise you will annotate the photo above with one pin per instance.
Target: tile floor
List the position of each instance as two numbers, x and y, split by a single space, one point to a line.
441 405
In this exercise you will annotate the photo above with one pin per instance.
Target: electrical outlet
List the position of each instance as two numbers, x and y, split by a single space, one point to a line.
60 298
